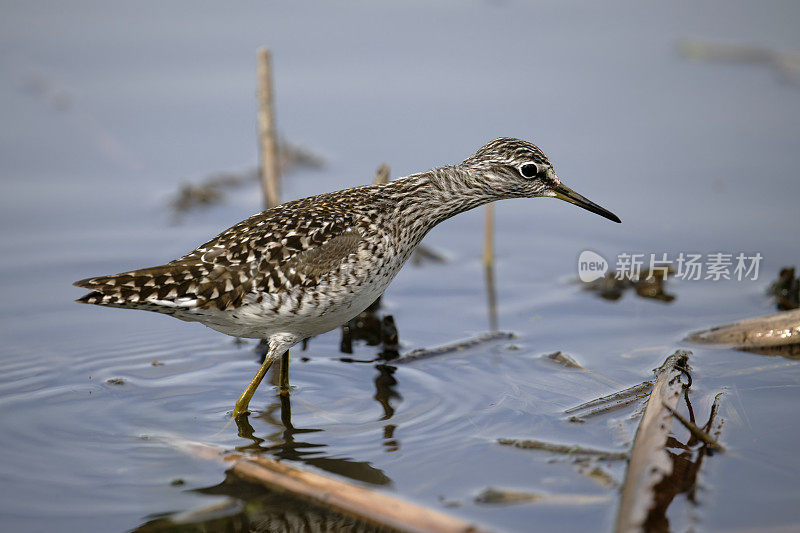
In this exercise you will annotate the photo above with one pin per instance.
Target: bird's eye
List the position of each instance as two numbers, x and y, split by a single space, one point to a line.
529 170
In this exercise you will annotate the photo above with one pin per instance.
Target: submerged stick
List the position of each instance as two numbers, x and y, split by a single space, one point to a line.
785 62
567 361
424 353
650 462
365 505
492 496
270 172
563 448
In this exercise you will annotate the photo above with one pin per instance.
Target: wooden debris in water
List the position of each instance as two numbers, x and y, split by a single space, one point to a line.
786 290
573 449
212 189
425 353
425 254
366 505
567 361
786 63
563 360
698 433
493 496
597 473
610 402
647 284
778 329
649 461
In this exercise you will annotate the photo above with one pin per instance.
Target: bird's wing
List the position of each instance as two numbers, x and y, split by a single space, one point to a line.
271 252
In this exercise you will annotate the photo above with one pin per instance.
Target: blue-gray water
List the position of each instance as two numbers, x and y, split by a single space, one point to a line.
106 110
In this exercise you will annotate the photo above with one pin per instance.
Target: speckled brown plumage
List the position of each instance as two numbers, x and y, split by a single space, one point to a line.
307 266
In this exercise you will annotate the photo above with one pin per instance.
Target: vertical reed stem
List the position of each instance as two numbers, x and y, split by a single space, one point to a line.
488 265
488 236
270 172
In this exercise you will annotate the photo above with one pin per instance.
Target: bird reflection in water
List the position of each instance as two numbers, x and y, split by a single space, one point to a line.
286 442
687 458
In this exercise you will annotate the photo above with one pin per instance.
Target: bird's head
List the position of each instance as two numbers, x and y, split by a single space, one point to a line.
513 168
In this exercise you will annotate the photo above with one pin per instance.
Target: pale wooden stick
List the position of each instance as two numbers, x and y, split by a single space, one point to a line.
488 236
778 329
650 463
270 170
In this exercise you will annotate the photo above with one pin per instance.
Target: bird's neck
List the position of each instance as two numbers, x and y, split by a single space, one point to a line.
428 198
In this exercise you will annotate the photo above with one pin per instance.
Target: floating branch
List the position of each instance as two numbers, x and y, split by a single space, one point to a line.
650 463
563 360
492 496
563 448
567 361
785 62
779 329
424 353
366 505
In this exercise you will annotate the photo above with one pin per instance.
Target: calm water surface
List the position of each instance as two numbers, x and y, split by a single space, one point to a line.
106 111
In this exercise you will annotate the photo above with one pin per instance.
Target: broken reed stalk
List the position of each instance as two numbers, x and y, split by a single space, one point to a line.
610 402
425 353
270 170
650 462
346 498
488 236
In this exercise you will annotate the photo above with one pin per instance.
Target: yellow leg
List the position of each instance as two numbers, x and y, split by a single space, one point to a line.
243 402
284 379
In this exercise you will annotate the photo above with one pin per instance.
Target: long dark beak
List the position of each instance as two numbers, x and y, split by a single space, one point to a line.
562 192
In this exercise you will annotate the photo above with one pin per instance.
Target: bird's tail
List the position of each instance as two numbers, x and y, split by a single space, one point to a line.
167 288
152 289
